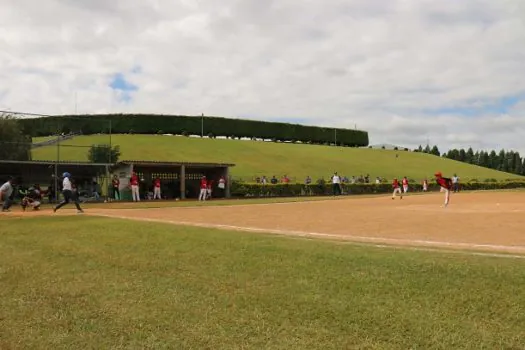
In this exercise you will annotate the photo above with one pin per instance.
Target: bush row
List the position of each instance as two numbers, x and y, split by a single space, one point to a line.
292 190
187 125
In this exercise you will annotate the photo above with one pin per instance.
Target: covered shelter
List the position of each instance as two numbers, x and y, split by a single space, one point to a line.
178 179
48 174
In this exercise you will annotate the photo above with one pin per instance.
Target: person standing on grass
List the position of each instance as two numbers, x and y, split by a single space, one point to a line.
115 184
203 189
134 182
6 192
445 184
397 189
425 185
67 192
336 184
156 189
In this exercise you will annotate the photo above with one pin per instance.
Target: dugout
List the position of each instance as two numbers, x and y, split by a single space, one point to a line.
178 179
29 173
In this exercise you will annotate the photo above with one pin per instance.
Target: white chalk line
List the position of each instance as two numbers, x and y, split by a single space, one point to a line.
405 243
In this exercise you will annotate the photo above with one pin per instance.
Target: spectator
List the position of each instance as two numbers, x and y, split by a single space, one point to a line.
285 179
425 185
455 183
378 180
308 180
264 180
274 180
336 184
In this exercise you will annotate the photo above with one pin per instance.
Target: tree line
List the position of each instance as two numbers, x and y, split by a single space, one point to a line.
507 161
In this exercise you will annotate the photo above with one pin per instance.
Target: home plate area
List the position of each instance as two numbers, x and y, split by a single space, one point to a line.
488 221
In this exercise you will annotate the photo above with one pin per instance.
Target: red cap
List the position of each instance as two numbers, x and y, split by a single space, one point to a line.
438 174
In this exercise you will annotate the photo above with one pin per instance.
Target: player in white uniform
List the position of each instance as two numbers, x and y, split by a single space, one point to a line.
67 192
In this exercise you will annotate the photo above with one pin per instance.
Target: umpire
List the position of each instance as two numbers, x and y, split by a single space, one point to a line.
67 192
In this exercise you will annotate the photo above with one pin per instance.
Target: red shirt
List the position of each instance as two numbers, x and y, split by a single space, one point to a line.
204 184
134 180
405 182
395 184
444 182
116 182
157 183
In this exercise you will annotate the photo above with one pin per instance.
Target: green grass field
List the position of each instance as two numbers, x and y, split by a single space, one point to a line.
264 158
83 282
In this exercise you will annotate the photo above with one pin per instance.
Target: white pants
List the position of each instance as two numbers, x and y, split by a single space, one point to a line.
425 188
156 193
405 188
135 193
202 195
397 190
447 196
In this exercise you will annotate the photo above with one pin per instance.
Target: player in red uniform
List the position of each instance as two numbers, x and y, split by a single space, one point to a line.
204 189
397 189
446 185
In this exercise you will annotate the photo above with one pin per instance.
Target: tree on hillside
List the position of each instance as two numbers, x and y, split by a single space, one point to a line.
469 156
427 149
14 144
103 154
435 151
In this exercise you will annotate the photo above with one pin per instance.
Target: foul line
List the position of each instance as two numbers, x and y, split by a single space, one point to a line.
405 243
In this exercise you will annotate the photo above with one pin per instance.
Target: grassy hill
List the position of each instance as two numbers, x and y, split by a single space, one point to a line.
256 158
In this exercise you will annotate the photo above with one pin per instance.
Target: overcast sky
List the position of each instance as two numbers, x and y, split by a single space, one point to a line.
452 71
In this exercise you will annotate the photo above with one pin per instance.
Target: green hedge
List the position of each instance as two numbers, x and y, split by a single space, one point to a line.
213 126
293 190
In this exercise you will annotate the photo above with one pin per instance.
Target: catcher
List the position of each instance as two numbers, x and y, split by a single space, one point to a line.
31 198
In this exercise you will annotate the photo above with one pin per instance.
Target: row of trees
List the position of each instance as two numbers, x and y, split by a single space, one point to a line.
508 161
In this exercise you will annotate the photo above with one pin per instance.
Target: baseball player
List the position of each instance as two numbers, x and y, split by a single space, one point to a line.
31 198
67 192
446 184
6 193
397 189
405 184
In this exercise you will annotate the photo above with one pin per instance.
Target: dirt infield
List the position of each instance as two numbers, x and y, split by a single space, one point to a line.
490 221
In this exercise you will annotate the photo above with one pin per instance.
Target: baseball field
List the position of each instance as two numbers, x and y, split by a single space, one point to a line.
352 272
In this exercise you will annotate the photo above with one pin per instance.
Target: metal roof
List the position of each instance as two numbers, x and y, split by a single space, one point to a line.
161 163
51 162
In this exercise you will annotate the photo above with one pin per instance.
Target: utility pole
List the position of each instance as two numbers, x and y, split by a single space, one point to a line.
202 124
335 136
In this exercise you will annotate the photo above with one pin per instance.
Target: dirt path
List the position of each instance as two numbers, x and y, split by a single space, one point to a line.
478 221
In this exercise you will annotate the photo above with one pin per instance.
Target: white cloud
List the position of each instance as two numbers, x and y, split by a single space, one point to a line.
380 64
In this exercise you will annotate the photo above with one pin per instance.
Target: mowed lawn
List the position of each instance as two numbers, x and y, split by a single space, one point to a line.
85 282
257 158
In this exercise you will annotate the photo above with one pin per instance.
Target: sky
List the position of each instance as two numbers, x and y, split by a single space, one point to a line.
407 71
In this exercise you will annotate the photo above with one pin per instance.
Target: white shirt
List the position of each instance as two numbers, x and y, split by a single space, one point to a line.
336 179
6 189
455 179
66 185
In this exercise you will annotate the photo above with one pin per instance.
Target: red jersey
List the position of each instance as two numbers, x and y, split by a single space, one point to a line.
157 183
116 182
405 182
134 180
204 184
444 182
395 184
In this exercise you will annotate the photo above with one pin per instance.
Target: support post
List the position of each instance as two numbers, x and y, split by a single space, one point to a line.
228 182
183 182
